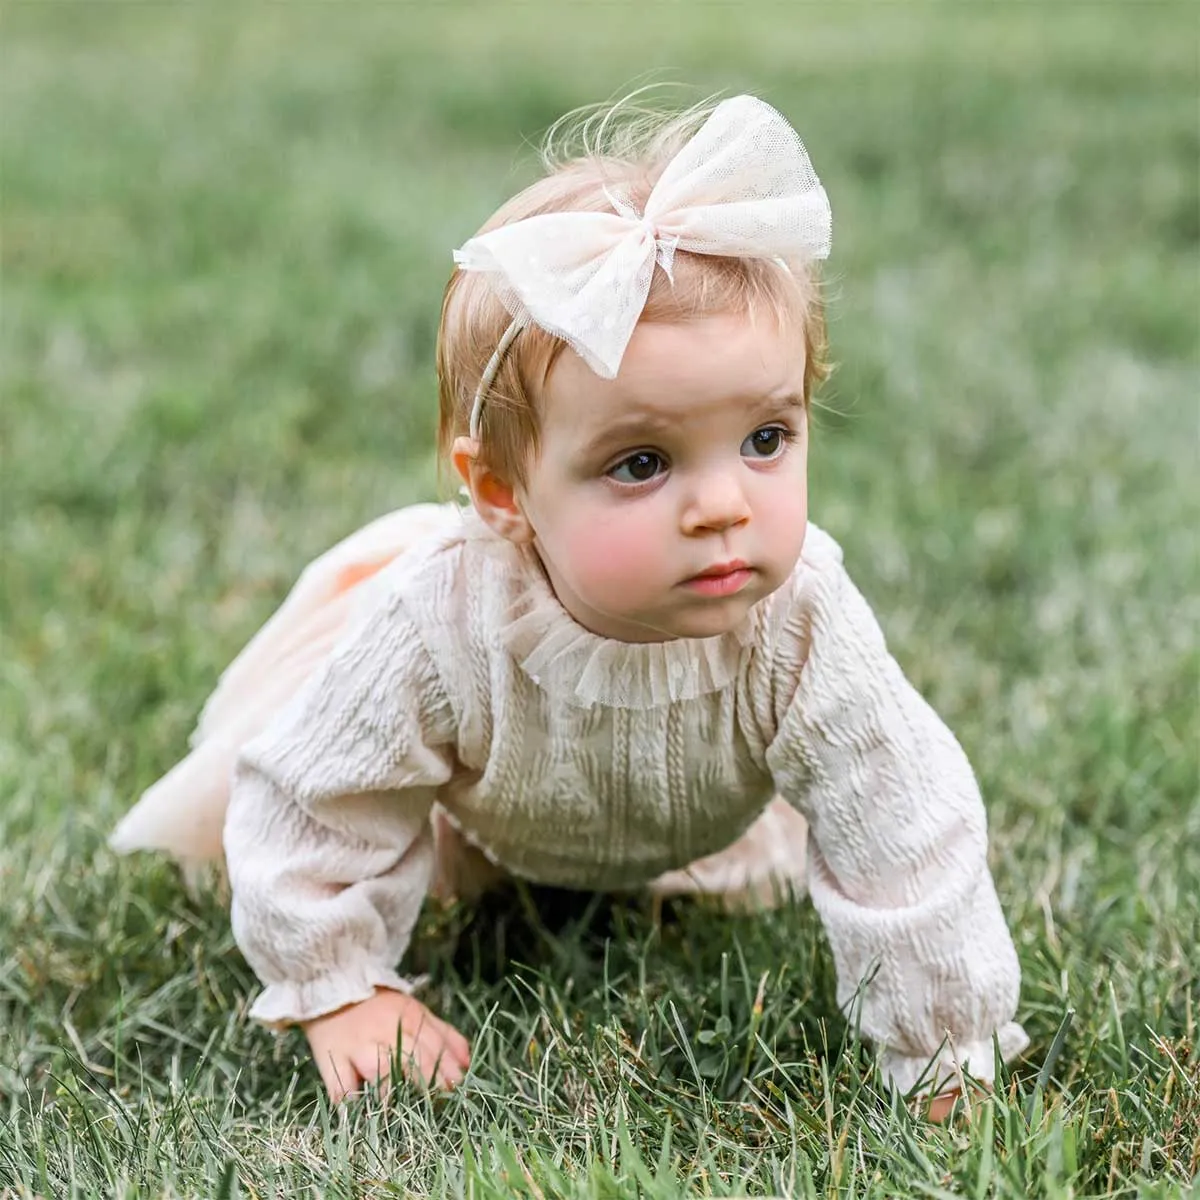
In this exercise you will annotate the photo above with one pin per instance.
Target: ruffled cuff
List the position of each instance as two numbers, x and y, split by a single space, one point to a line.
282 1004
931 1076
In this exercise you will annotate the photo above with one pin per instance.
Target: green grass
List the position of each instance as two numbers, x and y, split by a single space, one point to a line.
225 232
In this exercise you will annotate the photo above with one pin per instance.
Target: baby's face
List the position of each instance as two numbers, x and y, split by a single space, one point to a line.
666 502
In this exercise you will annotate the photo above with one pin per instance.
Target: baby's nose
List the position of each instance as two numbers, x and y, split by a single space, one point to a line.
719 502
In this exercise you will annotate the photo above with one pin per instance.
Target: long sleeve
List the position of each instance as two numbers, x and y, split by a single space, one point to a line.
898 853
328 836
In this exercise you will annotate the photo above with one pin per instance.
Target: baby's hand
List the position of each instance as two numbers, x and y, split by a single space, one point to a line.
355 1045
940 1106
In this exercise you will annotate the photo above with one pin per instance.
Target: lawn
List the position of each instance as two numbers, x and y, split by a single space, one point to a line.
225 232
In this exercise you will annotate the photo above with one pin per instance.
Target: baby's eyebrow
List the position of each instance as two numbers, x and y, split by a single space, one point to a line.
627 429
635 426
775 403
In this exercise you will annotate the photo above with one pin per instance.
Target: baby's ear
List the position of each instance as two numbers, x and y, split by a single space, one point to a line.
495 499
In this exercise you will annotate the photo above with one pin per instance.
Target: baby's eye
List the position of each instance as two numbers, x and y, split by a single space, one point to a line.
768 442
638 468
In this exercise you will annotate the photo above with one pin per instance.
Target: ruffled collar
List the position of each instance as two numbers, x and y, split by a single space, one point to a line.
574 665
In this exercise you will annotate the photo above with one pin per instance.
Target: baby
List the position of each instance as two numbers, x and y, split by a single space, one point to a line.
632 662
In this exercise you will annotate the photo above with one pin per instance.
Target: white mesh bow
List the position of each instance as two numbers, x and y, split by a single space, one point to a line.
742 187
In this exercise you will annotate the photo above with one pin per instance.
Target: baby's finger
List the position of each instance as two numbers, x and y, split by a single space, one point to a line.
453 1044
453 1059
432 1060
339 1075
456 1044
374 1065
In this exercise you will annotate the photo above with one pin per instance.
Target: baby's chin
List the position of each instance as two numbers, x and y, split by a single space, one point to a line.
703 620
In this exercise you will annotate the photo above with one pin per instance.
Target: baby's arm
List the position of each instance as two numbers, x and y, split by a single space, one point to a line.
898 853
330 854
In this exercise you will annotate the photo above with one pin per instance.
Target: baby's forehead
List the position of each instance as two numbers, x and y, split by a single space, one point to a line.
675 384
713 364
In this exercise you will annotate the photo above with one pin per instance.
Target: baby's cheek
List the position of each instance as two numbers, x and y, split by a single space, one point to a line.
788 522
782 515
615 561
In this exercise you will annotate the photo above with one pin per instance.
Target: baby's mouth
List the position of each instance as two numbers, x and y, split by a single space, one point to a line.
721 579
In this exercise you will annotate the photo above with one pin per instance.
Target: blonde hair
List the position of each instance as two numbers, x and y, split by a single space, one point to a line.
589 155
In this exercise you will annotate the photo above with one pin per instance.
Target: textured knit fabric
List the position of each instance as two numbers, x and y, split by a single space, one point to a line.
605 764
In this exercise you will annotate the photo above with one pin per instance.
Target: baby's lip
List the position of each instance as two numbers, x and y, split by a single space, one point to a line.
721 579
724 568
